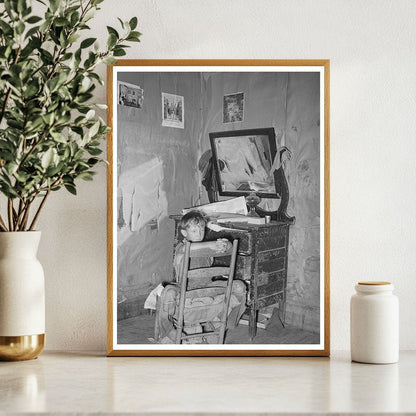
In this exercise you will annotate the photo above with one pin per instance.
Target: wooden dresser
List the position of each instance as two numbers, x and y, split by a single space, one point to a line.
261 262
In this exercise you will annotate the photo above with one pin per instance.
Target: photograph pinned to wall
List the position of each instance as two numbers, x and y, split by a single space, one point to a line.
173 111
233 107
252 192
130 95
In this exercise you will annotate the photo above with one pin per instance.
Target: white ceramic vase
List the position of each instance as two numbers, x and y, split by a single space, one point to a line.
22 296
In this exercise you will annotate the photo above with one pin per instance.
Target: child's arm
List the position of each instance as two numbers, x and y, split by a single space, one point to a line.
220 246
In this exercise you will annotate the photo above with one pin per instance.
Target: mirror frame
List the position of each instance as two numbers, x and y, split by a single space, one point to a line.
268 131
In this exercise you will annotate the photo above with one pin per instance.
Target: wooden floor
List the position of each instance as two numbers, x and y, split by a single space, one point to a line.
140 330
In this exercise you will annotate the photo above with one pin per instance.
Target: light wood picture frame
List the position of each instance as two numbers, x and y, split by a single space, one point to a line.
280 305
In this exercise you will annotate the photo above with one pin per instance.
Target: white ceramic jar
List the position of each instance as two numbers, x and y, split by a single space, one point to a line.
374 323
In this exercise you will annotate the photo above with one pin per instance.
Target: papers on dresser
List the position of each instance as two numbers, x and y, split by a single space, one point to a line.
230 206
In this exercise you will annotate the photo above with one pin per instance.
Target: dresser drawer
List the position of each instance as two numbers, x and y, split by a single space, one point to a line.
269 278
271 260
269 300
273 237
270 284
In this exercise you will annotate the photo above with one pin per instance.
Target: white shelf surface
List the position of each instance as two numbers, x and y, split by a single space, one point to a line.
83 383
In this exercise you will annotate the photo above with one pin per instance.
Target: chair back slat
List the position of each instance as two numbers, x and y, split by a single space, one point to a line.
208 272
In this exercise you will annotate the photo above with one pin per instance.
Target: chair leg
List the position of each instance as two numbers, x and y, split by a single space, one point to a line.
183 282
224 315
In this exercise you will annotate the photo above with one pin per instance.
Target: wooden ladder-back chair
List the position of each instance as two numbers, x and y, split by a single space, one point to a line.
191 251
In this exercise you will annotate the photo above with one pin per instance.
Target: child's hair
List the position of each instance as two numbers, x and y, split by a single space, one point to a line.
193 217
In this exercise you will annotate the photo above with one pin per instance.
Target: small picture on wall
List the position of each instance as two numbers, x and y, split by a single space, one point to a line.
130 95
233 107
173 110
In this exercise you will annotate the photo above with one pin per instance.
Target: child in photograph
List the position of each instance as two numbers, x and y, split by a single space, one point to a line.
193 226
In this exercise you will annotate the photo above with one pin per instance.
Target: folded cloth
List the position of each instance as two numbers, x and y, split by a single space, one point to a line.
150 302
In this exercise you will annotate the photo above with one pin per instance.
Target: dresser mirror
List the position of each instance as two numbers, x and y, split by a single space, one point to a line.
243 160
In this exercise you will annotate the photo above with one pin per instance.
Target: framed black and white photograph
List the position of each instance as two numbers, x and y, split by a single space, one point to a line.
130 95
173 110
233 108
218 232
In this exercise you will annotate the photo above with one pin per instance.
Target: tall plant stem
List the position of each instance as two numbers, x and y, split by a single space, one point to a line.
35 219
20 215
26 216
2 225
10 214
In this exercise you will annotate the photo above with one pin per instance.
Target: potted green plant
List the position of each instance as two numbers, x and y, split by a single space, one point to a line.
50 136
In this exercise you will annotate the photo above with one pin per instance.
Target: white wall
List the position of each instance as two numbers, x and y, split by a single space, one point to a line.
373 146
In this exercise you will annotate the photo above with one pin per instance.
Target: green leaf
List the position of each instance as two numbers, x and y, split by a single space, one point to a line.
88 16
70 188
20 28
10 8
33 126
33 19
112 40
58 137
20 6
31 90
47 158
94 129
74 18
32 31
63 41
53 171
67 151
90 115
86 176
121 22
134 36
54 4
61 21
110 60
53 83
82 98
93 161
72 39
94 151
8 191
21 177
119 52
46 56
133 23
112 31
49 118
11 168
7 29
87 42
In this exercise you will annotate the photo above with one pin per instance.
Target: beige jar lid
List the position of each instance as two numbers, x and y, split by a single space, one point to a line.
374 283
